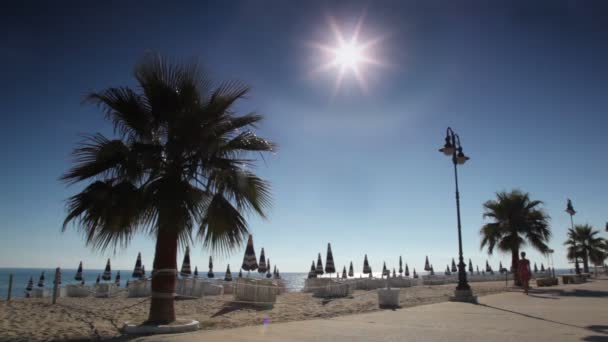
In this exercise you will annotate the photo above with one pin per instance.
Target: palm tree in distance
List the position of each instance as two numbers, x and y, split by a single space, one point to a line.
583 242
177 166
516 221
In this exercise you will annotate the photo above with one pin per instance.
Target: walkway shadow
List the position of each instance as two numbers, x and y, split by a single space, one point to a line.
575 293
545 319
542 297
596 338
599 328
230 307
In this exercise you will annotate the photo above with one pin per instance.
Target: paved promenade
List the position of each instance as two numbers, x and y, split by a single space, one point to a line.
563 313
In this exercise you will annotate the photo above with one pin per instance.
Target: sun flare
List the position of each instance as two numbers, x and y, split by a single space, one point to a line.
348 55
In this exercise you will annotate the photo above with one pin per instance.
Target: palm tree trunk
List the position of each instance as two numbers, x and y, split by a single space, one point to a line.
162 309
514 262
585 262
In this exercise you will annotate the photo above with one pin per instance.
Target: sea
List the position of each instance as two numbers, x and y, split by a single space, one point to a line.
21 276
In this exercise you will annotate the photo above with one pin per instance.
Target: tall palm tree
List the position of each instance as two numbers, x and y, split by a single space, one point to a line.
177 166
516 222
583 242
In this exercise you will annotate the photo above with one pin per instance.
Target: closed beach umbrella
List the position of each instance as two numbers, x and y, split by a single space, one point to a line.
542 267
319 269
143 271
344 276
427 266
500 268
107 273
366 268
250 262
228 275
137 269
454 269
407 270
470 267
186 270
240 273
78 276
277 275
268 274
329 261
535 268
415 274
210 273
447 270
30 284
312 273
394 273
488 268
400 266
432 271
195 272
351 270
98 279
477 266
385 272
117 280
262 265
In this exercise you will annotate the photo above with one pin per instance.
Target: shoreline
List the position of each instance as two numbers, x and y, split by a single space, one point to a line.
85 318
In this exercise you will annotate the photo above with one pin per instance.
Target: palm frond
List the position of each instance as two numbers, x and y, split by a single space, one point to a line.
128 112
223 228
108 213
98 156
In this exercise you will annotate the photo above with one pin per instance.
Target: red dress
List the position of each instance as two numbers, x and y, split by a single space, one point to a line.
523 269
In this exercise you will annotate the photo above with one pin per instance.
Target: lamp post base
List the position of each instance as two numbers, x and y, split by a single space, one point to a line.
465 296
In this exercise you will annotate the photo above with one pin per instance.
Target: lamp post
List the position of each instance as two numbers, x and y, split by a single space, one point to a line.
570 210
453 148
551 251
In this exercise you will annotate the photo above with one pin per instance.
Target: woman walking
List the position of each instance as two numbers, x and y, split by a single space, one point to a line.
523 269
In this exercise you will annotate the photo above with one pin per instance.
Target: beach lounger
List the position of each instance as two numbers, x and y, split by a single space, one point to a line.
77 290
140 288
105 290
257 292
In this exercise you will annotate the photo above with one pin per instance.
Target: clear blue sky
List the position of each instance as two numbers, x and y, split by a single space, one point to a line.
525 86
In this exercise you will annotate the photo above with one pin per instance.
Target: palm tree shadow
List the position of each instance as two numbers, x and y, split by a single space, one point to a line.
231 307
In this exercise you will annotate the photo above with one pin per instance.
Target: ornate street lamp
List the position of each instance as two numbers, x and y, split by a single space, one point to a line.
570 210
453 148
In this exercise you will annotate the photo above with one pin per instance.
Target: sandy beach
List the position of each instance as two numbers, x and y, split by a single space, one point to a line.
94 318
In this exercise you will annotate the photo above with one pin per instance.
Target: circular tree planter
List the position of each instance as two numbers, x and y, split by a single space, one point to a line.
179 326
388 298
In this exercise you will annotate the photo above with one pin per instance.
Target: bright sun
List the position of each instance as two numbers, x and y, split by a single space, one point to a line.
348 55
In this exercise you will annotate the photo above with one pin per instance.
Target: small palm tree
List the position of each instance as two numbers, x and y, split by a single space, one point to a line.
516 221
599 256
177 166
583 243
